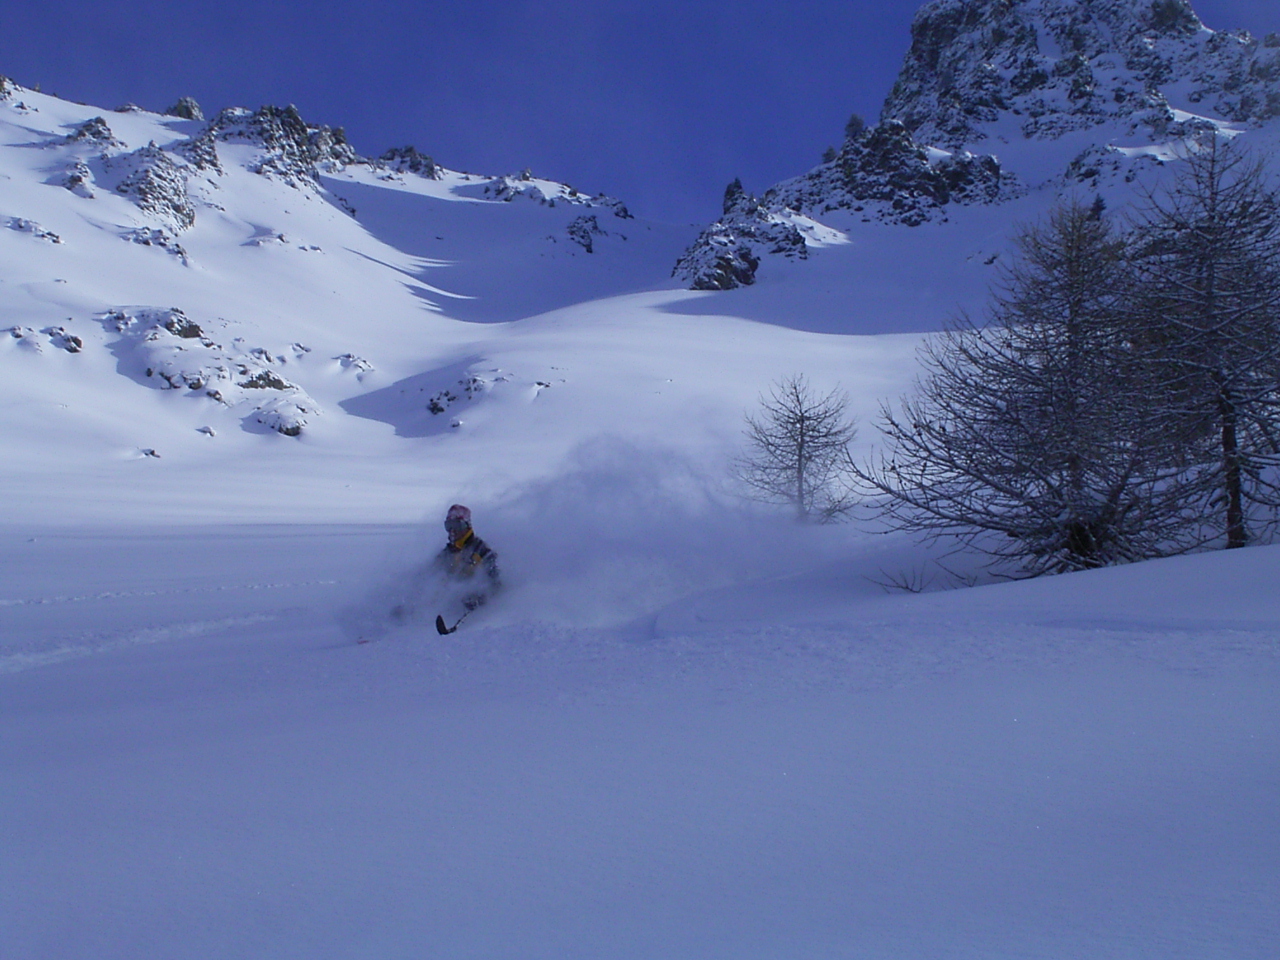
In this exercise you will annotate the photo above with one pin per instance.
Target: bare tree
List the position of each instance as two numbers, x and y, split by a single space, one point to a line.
798 451
1033 438
1207 316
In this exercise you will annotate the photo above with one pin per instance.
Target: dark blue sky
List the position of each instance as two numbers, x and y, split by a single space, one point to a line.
659 103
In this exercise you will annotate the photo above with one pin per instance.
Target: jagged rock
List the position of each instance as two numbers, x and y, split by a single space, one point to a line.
886 175
34 229
7 87
157 185
201 151
186 108
93 131
727 253
582 229
294 151
128 108
409 160
1064 65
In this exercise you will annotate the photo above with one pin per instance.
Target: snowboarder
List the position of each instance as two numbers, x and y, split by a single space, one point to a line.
463 557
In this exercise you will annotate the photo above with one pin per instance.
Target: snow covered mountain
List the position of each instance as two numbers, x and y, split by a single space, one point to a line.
999 102
186 296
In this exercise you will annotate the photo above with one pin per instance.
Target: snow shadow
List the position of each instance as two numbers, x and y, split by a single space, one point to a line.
423 405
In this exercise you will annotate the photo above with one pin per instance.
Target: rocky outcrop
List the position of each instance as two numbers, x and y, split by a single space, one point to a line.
583 230
7 87
727 253
293 150
201 151
94 132
187 109
525 185
885 174
1055 66
166 349
409 160
157 184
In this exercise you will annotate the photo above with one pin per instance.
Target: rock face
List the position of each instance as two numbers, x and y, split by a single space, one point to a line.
887 175
992 71
1055 66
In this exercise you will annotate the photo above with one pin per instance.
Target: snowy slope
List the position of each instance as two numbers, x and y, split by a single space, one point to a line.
199 763
688 728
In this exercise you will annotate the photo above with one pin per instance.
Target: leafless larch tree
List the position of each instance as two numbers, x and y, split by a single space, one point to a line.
798 451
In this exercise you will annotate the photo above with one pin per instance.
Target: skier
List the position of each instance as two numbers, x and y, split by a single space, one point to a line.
454 572
462 559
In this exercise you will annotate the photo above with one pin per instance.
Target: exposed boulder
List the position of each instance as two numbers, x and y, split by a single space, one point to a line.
186 108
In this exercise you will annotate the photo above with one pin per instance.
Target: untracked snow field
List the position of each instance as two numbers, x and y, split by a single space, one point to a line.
200 762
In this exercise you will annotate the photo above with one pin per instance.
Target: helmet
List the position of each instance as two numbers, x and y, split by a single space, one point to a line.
457 520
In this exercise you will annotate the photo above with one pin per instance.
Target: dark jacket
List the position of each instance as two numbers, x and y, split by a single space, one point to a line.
463 558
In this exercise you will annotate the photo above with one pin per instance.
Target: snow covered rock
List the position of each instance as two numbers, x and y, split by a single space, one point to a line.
157 184
7 87
79 178
293 150
33 229
201 151
727 253
409 160
157 237
94 131
166 349
525 185
583 229
1061 65
888 175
